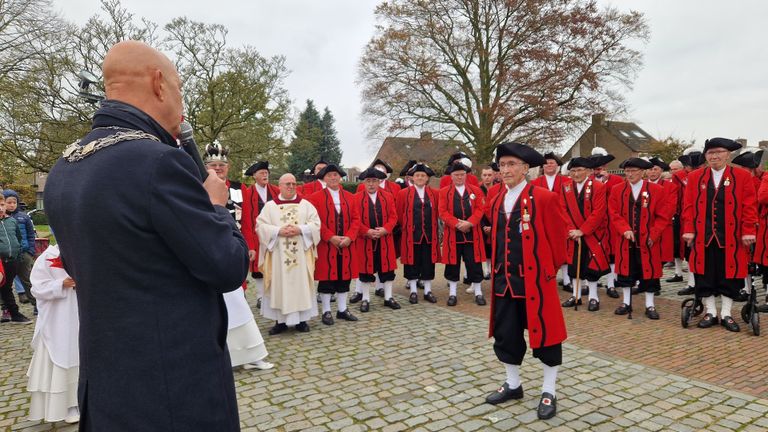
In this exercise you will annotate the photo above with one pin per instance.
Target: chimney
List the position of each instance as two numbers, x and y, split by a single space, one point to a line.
598 119
742 141
426 136
762 144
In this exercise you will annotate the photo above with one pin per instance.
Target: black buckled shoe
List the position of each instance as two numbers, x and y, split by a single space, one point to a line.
651 313
392 303
623 309
593 305
430 297
327 318
466 281
365 306
452 300
413 298
612 293
356 298
278 328
346 316
480 300
708 321
379 292
730 324
686 291
547 406
675 278
504 393
571 302
302 327
742 296
568 288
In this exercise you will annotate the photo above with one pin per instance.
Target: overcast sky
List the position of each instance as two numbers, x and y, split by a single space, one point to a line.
704 73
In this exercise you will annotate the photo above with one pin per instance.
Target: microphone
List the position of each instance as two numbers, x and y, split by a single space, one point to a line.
187 141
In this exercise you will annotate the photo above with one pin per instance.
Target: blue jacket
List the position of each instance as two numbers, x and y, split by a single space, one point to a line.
10 238
28 233
151 257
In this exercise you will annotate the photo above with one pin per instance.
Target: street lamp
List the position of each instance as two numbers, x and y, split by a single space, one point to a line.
86 79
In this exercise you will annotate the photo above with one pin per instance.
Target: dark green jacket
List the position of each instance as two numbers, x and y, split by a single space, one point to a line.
10 238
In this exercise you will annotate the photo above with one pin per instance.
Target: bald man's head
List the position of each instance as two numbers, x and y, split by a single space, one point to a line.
142 76
287 186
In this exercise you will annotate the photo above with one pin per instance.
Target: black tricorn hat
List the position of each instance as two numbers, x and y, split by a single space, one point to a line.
421 167
381 162
330 168
693 159
725 143
407 167
521 151
494 166
601 160
456 156
371 173
581 162
458 166
635 162
748 159
553 156
657 161
321 161
257 167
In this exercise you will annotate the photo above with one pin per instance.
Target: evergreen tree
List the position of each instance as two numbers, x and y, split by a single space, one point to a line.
305 145
330 147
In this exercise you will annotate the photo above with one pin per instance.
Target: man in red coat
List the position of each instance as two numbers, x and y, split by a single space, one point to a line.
601 158
256 196
461 209
419 249
584 207
461 158
529 237
654 175
719 223
374 244
317 184
691 159
336 263
638 215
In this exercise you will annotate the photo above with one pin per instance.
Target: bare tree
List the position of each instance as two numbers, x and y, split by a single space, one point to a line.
491 70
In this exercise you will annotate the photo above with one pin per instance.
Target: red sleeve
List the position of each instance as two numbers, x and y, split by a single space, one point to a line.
599 211
617 222
246 218
443 211
317 199
472 179
556 231
355 225
762 193
662 215
564 210
358 204
400 205
748 208
689 203
445 181
390 219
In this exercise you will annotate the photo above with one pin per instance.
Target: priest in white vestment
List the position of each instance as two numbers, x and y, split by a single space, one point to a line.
289 230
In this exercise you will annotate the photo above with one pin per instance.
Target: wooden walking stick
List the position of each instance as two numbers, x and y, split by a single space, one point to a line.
577 282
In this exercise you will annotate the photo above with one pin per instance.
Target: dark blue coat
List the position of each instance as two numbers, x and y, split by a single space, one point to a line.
151 257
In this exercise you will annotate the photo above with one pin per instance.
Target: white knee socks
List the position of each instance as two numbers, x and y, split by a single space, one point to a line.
649 300
709 303
691 279
412 285
550 378
427 286
478 288
627 293
326 299
358 286
678 267
566 278
593 290
611 277
387 290
341 301
452 288
725 307
513 375
365 287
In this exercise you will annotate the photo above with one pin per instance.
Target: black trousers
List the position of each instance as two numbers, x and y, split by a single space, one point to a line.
713 281
636 274
509 321
383 276
423 268
465 252
6 289
335 286
586 273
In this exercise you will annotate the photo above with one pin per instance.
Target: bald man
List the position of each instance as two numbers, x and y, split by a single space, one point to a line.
153 249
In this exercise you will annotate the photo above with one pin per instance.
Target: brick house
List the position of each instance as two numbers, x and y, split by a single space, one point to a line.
397 151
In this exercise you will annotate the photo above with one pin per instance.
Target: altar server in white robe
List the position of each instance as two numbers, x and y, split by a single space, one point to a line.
289 231
54 370
244 341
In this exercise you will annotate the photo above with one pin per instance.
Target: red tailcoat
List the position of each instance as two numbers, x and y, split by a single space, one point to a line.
364 246
308 189
761 246
471 179
591 222
680 180
404 204
250 213
740 218
560 180
328 255
543 253
610 181
389 186
445 210
654 217
668 235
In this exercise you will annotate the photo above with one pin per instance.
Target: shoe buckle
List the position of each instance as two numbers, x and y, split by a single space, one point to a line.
546 401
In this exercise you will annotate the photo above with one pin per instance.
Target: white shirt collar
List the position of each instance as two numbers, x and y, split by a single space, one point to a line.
550 181
373 196
420 191
636 188
580 186
460 189
717 175
512 195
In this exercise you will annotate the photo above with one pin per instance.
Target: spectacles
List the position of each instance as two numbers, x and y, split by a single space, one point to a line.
717 152
510 164
289 184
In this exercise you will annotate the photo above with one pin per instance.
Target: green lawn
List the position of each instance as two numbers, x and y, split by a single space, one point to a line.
44 231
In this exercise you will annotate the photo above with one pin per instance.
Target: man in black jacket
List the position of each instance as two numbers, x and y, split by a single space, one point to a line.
152 249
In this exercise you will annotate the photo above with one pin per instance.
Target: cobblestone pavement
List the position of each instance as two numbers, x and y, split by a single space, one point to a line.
427 368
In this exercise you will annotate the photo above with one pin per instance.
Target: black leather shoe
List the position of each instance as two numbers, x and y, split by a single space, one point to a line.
504 393
278 328
547 406
480 300
258 303
466 281
708 321
430 297
327 318
571 302
356 298
612 293
392 303
452 300
675 278
487 276
686 291
413 298
420 284
302 327
623 309
333 297
365 306
730 324
568 288
763 308
379 292
346 316
593 305
742 296
651 313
